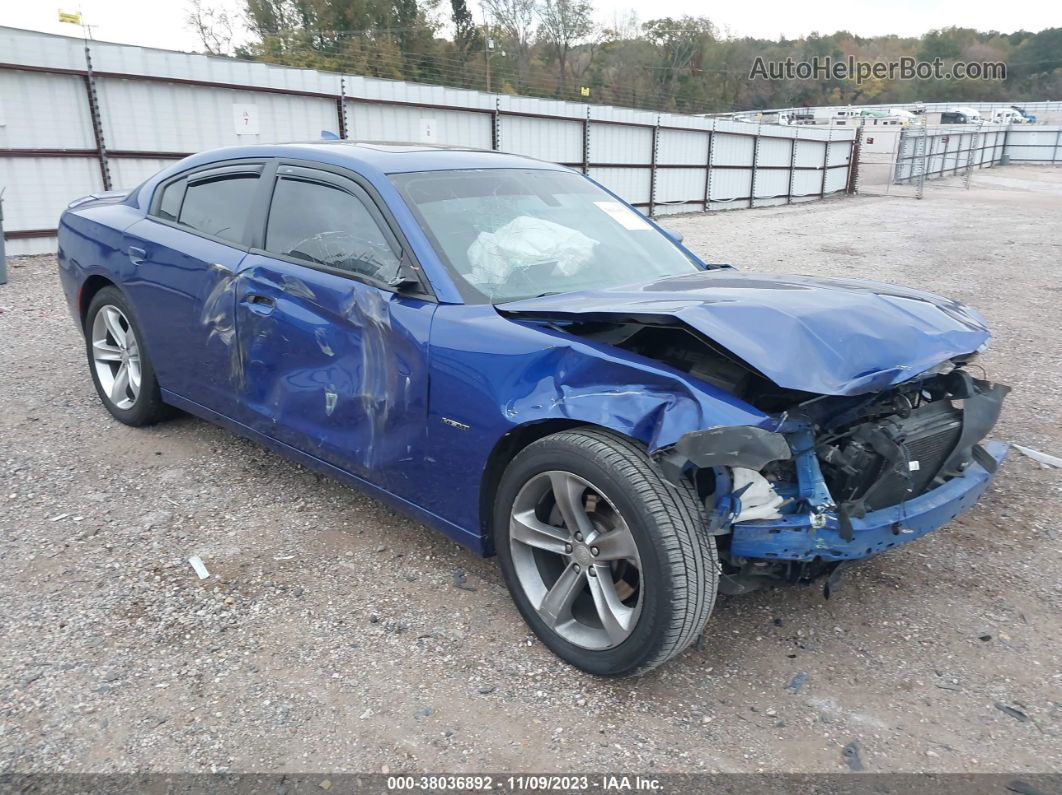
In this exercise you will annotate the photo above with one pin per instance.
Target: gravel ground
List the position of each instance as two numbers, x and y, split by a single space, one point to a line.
331 635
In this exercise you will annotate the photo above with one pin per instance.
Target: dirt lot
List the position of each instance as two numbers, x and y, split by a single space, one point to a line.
331 635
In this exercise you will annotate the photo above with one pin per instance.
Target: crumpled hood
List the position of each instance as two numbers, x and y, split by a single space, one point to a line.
827 336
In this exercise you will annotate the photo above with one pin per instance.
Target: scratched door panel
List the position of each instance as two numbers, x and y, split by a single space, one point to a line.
336 368
182 287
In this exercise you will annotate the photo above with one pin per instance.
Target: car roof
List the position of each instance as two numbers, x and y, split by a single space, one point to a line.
385 157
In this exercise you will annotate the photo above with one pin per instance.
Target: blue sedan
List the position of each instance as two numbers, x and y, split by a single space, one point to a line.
508 352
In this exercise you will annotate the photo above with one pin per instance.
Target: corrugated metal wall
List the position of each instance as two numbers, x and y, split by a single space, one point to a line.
156 106
1034 144
948 150
984 108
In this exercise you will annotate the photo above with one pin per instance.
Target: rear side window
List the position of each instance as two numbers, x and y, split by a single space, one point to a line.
219 206
323 224
170 204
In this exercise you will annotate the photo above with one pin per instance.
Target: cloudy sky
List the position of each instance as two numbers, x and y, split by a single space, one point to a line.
162 24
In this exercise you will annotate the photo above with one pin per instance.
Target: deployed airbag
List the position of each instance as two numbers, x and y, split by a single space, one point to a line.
524 242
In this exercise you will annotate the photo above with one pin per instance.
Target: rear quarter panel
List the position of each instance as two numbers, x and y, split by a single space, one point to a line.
90 243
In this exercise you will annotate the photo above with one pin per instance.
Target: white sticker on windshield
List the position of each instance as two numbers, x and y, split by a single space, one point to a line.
623 216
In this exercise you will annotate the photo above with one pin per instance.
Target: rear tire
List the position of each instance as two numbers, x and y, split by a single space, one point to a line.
633 584
119 363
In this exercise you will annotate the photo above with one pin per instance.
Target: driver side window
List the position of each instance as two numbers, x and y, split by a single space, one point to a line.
322 224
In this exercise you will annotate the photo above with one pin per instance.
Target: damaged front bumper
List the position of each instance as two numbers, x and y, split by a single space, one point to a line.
807 537
843 480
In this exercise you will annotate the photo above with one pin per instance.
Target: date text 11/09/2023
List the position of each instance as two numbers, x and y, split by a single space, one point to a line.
524 783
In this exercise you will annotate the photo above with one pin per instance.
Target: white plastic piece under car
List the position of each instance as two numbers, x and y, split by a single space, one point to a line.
759 500
524 242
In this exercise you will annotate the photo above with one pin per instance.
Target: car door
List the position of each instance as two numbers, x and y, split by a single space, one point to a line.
335 360
185 257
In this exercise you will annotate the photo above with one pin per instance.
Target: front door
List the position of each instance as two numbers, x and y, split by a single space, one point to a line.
334 361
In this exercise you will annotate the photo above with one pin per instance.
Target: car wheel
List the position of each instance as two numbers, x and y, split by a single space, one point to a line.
608 563
120 367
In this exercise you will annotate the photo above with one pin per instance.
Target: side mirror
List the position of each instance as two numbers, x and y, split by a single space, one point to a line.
676 236
405 278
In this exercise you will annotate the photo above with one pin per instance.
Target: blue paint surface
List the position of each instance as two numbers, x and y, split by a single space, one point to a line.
827 336
356 381
796 538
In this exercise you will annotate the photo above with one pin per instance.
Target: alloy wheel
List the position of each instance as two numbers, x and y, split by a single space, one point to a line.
116 356
576 560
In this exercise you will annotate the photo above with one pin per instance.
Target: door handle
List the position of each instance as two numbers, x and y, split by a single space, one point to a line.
260 304
137 255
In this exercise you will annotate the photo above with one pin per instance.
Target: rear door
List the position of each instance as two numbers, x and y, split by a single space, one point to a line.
186 254
335 360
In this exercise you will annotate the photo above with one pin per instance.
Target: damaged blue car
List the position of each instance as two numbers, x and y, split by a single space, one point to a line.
508 352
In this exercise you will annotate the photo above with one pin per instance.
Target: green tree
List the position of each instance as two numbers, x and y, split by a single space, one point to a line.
515 20
1040 54
681 64
680 45
563 24
465 32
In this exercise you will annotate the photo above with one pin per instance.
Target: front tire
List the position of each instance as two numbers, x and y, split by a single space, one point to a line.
609 564
120 367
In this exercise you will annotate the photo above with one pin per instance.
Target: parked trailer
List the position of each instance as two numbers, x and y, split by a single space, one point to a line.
1008 117
938 118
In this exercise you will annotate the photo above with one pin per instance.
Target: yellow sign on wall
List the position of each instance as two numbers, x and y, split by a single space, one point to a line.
74 18
584 90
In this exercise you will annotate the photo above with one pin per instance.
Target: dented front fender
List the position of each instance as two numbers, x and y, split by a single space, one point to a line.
491 375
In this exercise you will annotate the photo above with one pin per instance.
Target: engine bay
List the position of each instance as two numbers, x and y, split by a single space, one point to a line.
906 441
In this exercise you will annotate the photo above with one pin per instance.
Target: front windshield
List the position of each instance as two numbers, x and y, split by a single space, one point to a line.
513 233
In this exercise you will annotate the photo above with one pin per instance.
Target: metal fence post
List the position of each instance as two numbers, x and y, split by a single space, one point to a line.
3 255
495 125
652 167
708 170
341 108
855 152
586 142
975 141
792 166
97 121
755 163
825 161
898 163
1054 152
923 166
920 190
